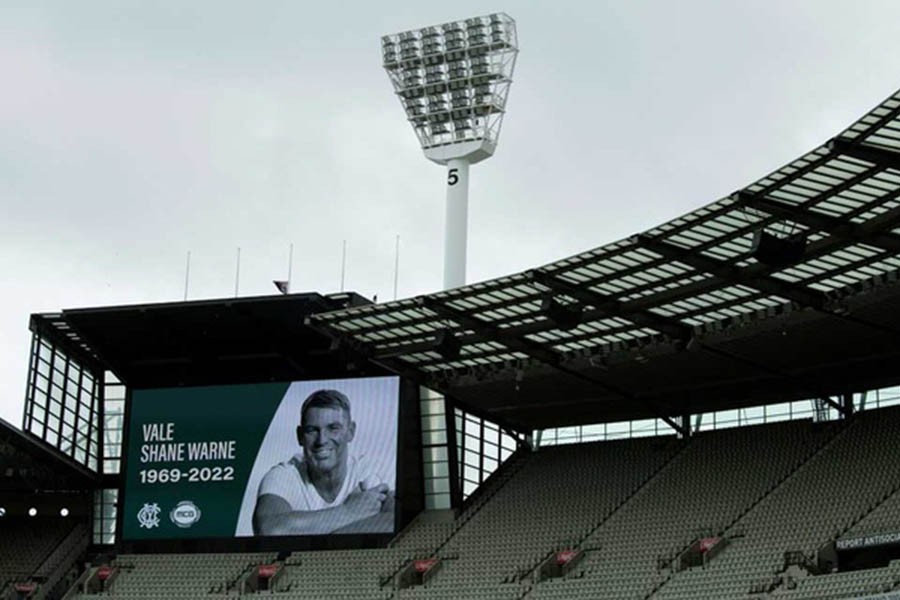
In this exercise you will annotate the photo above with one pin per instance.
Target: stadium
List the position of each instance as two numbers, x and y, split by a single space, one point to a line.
706 409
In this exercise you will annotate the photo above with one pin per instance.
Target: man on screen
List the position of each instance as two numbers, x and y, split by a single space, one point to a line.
326 489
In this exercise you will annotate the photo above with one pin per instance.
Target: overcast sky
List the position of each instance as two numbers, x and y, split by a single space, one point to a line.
133 132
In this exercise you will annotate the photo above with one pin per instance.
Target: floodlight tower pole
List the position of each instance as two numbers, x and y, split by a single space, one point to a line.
453 80
456 219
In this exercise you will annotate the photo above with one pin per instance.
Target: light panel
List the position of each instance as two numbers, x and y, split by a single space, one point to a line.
453 81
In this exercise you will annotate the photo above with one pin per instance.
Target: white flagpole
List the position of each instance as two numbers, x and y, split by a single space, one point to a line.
343 265
396 264
187 275
290 263
237 274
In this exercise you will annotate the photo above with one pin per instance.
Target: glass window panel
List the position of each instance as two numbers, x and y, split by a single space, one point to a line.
436 454
56 393
469 488
491 451
58 378
438 469
433 486
433 407
72 385
430 438
472 474
437 502
433 423
491 435
84 411
472 459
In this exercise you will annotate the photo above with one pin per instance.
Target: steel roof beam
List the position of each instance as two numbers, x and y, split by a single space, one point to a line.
538 352
491 332
831 225
610 306
750 277
871 154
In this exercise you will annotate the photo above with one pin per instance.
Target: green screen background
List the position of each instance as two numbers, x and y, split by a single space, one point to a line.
217 413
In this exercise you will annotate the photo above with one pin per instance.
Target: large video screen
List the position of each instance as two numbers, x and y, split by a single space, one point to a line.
303 458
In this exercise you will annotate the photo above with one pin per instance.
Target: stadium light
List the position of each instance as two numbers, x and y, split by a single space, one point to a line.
453 80
32 512
2 511
64 512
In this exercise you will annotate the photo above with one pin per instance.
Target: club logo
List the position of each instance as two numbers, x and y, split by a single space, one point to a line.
185 514
148 516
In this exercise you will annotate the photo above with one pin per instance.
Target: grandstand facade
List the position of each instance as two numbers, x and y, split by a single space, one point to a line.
702 410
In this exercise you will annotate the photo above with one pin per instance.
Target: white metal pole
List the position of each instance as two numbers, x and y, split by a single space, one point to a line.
343 264
396 264
187 274
237 273
456 222
290 264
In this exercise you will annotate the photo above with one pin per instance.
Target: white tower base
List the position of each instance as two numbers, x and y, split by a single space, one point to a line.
456 218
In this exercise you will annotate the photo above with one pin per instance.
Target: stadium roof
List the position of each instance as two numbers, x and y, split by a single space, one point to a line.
28 464
683 317
202 342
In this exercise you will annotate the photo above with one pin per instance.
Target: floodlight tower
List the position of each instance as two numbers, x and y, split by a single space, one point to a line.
453 80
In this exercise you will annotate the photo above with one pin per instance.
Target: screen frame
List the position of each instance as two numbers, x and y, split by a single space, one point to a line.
409 491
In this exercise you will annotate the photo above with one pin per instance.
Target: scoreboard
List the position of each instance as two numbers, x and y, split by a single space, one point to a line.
300 458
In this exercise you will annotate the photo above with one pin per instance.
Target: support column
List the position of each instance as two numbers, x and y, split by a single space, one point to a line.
456 223
847 403
685 426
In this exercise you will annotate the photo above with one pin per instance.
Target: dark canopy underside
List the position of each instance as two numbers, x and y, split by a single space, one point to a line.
205 342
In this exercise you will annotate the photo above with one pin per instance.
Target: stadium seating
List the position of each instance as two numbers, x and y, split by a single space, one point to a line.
27 544
826 497
632 506
179 576
556 499
700 493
